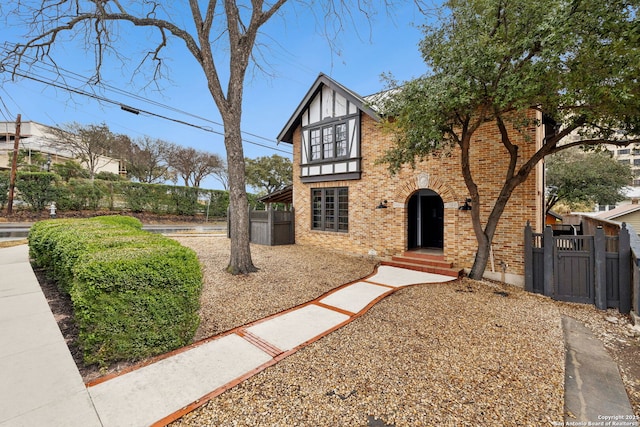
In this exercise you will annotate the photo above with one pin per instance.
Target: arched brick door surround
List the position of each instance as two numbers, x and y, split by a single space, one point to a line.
450 199
427 181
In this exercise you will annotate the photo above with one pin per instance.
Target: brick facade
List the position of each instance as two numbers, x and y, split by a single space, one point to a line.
384 232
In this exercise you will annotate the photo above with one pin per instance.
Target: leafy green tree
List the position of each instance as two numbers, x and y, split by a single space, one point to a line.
31 161
269 174
491 62
578 177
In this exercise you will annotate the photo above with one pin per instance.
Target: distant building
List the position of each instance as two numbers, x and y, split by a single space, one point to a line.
37 138
629 156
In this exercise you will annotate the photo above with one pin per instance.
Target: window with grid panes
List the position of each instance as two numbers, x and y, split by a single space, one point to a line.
329 142
341 140
315 144
330 209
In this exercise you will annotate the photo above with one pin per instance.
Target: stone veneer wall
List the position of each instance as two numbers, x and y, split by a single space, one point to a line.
384 231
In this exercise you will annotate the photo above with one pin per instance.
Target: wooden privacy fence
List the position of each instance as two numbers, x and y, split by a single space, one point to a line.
586 269
271 227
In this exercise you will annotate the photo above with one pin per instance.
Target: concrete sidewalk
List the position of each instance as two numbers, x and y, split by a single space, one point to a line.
593 388
41 385
39 382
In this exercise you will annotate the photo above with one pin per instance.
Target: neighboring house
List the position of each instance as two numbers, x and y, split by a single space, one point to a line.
345 200
36 137
629 213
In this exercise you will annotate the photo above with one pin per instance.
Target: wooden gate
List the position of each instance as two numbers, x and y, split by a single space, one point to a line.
584 269
573 258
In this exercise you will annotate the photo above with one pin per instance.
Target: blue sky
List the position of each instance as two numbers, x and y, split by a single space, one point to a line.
297 53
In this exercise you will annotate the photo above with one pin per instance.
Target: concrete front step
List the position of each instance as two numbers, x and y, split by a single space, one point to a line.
434 261
424 266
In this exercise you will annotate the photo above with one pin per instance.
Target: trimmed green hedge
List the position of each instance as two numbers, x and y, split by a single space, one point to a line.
135 294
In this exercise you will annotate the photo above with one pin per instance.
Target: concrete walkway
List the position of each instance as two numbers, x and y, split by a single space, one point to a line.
41 385
39 382
593 387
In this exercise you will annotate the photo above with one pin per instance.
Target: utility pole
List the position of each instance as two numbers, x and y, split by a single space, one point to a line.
14 166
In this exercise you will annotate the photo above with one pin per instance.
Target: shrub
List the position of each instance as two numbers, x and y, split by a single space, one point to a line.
134 302
185 200
79 194
134 294
36 188
4 188
70 169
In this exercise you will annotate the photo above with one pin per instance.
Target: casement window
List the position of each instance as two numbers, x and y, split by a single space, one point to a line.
316 142
330 209
329 142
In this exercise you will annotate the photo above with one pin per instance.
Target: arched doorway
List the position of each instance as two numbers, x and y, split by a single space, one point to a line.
425 228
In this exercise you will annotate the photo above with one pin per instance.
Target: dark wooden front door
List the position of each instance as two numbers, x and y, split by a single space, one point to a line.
425 220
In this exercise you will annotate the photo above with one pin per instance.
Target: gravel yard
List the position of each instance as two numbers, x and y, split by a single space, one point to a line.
462 353
289 275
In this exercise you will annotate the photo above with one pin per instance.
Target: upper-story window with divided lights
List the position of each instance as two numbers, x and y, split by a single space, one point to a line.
329 142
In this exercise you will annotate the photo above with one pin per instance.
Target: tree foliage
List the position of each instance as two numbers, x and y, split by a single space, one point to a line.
579 177
269 174
32 161
69 169
36 188
492 61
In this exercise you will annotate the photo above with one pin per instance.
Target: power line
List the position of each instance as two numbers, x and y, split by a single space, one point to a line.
100 98
76 76
7 113
137 110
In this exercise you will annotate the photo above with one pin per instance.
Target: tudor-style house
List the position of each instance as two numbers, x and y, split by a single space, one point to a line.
345 200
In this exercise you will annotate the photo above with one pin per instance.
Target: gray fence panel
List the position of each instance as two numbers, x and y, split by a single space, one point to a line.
613 280
272 227
624 265
597 269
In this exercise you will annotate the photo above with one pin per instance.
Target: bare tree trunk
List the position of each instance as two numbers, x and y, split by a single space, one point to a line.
240 261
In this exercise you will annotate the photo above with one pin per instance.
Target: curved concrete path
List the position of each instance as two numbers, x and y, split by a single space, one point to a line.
41 385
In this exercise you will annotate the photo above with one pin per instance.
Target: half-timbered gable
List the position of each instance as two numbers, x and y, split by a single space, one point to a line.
329 118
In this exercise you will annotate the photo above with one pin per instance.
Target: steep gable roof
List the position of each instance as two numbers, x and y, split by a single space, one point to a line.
286 134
